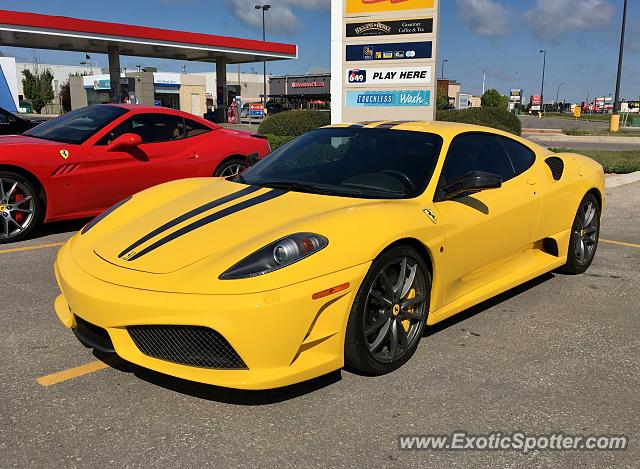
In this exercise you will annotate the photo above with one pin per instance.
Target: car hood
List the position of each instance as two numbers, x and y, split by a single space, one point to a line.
169 237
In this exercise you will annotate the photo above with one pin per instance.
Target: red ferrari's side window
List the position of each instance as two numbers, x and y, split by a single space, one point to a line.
194 128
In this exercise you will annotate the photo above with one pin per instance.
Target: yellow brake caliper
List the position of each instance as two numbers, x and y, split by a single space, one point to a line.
411 295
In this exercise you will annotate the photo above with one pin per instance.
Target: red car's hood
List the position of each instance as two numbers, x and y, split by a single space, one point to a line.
24 140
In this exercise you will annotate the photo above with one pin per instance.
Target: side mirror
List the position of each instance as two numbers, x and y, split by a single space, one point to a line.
125 142
474 181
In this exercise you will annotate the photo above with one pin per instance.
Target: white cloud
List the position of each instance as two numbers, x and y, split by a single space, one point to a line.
484 17
550 18
281 17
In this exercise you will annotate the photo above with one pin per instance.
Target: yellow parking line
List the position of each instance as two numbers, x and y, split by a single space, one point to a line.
71 373
30 248
620 243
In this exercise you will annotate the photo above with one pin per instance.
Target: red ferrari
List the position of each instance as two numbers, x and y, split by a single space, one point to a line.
79 164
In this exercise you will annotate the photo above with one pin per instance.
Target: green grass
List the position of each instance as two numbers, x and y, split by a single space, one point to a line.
601 132
584 117
620 162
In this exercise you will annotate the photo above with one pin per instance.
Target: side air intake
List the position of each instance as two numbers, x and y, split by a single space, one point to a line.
556 165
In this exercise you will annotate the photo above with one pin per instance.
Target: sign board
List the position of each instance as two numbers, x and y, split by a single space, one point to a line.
577 111
420 75
464 101
383 59
385 6
256 110
390 28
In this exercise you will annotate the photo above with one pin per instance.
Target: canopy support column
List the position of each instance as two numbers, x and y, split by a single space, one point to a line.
114 74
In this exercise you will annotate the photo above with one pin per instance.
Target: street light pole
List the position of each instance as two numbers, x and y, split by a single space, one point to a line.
444 61
558 94
615 118
484 80
264 8
544 68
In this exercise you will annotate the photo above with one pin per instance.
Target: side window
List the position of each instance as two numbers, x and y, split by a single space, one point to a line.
152 128
521 157
194 128
476 152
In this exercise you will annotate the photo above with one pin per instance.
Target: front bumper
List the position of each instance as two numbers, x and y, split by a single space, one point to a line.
283 336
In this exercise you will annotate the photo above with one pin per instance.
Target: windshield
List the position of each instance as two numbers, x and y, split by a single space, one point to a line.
351 162
76 126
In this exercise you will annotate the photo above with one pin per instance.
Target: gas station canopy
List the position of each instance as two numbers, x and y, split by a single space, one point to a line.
32 30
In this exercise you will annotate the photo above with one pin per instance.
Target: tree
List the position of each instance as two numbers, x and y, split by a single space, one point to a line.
37 87
493 98
442 102
65 96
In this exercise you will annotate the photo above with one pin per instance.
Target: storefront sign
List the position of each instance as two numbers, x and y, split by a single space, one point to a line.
393 51
390 28
166 79
374 6
307 84
401 98
390 76
102 84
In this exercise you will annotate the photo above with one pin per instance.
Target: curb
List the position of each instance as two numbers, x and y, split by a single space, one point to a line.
617 180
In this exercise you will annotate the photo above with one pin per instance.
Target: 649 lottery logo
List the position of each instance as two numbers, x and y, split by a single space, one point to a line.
357 76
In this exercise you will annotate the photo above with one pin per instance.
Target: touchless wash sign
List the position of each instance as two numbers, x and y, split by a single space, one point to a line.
383 59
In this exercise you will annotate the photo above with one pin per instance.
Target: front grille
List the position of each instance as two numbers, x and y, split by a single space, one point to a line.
186 345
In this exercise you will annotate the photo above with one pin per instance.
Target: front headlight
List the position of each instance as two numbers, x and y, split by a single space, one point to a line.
277 255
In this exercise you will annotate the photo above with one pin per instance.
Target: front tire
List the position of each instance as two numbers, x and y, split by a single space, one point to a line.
231 168
389 313
585 233
21 208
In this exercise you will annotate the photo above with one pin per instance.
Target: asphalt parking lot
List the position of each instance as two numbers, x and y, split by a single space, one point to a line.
559 354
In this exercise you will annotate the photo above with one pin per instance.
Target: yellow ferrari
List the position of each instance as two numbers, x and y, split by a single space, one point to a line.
336 249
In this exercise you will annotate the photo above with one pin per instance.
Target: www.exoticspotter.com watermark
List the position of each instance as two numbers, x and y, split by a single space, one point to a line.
518 441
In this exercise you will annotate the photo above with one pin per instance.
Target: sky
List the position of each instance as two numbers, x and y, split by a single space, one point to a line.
501 37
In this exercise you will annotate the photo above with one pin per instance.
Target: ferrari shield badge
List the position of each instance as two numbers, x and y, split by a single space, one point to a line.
64 154
431 215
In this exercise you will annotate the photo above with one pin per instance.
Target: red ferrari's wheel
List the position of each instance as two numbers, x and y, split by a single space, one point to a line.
231 168
20 207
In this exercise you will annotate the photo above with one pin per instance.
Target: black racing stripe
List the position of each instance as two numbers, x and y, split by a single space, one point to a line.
390 125
210 219
190 214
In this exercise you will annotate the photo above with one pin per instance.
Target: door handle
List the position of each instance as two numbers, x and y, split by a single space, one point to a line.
531 182
193 156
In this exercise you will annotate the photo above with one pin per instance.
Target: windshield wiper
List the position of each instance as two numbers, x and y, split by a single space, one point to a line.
296 187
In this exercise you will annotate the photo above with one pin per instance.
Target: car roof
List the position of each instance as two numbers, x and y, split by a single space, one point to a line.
141 108
447 130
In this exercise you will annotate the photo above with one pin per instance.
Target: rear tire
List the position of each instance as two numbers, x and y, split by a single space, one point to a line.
389 313
585 233
21 208
231 167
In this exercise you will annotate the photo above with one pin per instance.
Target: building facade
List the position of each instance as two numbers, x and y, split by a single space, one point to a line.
301 91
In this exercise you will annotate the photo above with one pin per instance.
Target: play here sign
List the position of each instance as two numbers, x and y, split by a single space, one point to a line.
390 76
